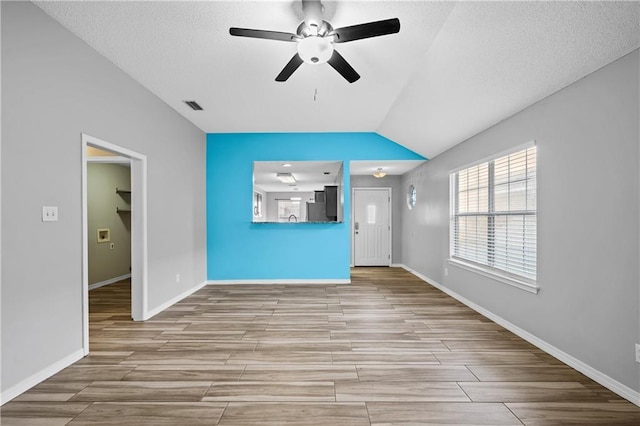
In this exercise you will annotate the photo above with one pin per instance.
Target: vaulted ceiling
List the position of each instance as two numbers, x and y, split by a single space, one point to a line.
453 70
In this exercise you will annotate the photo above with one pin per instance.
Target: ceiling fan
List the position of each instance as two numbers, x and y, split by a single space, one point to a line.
315 38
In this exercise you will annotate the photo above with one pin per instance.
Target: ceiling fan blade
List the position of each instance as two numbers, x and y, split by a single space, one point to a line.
288 69
265 34
368 30
342 66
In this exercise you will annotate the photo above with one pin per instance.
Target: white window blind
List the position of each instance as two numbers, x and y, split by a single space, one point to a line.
493 221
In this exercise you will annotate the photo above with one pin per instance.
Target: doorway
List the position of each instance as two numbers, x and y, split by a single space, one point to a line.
371 226
108 218
138 221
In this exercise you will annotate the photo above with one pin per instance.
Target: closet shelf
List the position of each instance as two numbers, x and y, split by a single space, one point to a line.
125 195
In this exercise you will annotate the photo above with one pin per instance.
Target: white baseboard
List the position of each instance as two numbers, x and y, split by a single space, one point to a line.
596 375
284 281
157 310
109 281
40 376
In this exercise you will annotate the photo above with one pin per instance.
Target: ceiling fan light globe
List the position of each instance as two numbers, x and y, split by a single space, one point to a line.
315 50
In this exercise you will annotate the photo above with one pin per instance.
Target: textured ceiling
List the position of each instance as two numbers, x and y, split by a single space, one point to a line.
454 69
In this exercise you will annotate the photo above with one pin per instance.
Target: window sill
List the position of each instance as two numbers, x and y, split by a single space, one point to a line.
530 287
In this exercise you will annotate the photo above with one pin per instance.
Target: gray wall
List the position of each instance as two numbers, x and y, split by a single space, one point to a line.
587 138
106 263
398 201
54 87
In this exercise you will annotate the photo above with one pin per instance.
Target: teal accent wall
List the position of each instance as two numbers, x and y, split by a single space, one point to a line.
238 249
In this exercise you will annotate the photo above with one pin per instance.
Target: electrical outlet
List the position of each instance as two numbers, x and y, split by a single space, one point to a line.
446 272
177 278
637 352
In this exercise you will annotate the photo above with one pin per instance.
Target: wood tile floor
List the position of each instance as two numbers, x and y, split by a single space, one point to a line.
388 349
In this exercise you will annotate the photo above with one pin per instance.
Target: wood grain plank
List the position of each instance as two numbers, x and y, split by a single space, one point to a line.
399 346
91 373
294 414
309 345
185 373
489 345
279 357
42 409
414 373
487 358
151 413
271 391
399 391
35 421
124 391
299 372
382 357
528 391
435 413
176 357
518 373
576 413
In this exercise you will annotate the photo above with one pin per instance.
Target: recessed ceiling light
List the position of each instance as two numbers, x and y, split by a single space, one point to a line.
286 178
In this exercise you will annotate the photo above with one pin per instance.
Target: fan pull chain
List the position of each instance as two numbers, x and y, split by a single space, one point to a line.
315 95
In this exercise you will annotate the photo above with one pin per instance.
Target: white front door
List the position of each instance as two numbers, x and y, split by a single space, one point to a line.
371 226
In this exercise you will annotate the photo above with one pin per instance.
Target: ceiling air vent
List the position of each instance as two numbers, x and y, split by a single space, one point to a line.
194 105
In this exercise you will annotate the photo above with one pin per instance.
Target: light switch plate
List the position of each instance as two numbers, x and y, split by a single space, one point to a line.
49 213
637 352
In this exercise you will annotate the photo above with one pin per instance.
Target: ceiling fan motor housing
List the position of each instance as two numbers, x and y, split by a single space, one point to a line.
323 30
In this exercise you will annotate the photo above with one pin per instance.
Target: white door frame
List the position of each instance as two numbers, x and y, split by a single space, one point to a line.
139 262
353 221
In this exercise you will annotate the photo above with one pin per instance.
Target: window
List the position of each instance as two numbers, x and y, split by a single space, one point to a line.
493 220
371 214
257 204
288 211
